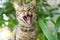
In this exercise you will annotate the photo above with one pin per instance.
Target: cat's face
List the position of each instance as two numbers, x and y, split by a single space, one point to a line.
26 14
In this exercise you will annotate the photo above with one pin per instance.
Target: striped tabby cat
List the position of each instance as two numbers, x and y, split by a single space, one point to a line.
26 16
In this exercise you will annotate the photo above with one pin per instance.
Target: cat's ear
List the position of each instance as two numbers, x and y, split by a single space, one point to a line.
33 2
16 6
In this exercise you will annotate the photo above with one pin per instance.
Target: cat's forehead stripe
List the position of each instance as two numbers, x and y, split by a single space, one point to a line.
27 7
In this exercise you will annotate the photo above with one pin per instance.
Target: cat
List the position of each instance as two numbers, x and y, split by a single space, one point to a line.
26 16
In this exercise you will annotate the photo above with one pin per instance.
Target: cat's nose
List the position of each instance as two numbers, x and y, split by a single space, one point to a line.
27 14
30 15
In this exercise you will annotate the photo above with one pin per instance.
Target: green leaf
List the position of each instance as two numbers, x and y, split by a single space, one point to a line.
58 34
58 21
37 1
46 31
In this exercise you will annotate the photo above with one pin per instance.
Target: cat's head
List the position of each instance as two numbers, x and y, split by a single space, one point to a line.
26 14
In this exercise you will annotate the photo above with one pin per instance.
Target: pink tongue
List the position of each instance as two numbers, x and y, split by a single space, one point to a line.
28 20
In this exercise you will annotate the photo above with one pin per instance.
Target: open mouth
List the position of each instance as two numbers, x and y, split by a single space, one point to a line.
28 18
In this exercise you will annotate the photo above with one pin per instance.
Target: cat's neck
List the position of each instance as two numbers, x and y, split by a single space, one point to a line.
27 29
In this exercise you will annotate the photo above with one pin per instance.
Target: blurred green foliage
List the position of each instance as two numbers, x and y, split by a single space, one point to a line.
44 14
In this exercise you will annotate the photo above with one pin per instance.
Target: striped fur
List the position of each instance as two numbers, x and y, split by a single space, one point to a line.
25 31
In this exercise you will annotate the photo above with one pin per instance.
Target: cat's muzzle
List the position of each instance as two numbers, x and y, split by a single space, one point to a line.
28 18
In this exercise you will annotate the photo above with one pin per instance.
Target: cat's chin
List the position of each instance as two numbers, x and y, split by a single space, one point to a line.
28 25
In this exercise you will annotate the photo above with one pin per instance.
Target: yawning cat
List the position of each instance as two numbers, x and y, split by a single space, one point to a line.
26 16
